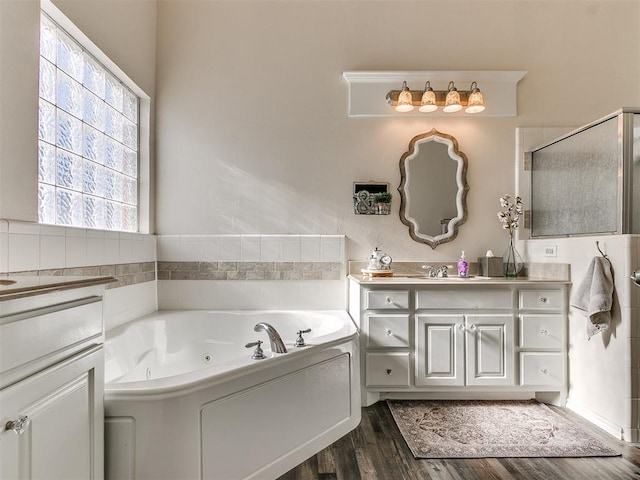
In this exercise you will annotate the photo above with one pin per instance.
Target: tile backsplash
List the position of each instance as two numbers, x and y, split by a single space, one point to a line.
192 271
251 271
31 247
251 248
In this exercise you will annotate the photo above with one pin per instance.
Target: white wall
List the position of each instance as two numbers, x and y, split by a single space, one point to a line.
253 132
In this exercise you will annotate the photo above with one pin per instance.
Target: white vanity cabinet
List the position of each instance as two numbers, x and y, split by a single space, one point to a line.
467 339
51 386
459 350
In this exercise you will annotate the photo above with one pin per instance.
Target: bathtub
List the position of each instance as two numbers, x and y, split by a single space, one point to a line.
185 400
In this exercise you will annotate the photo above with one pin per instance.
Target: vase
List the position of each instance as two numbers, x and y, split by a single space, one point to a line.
383 208
511 260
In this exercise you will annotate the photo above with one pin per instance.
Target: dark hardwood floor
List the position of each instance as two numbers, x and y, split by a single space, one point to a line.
376 451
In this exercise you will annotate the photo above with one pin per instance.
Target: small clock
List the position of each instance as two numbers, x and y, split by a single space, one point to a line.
385 260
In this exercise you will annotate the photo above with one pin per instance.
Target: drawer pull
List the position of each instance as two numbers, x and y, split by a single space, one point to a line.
388 332
543 299
389 371
544 331
388 300
544 370
18 426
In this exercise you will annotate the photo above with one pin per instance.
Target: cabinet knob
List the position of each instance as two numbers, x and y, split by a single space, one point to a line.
544 370
389 371
472 327
461 326
544 331
18 426
543 300
388 300
388 332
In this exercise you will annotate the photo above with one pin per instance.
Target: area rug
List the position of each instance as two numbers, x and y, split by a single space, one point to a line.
478 429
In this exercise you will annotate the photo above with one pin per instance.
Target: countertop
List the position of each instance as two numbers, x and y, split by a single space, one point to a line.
26 286
412 280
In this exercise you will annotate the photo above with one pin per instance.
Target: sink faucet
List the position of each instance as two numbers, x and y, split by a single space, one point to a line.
277 345
441 272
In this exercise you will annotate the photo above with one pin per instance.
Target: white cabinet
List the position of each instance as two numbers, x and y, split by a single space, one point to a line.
51 386
60 438
542 340
456 339
464 350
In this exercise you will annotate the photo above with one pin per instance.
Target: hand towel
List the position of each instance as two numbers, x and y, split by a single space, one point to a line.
594 296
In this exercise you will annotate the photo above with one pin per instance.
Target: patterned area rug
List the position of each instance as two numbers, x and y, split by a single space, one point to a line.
477 429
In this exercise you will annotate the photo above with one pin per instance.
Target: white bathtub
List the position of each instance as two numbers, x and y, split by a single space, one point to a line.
184 399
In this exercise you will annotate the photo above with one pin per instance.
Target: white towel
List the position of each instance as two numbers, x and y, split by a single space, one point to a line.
594 296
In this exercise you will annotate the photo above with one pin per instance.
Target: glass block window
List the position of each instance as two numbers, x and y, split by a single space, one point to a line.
87 139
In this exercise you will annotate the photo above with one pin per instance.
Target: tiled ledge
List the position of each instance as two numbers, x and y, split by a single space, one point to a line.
249 270
125 273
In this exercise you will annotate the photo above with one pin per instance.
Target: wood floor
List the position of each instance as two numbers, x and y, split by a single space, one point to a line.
376 451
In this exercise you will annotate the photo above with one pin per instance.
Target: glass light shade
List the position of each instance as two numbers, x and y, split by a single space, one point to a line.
405 100
452 102
428 103
476 102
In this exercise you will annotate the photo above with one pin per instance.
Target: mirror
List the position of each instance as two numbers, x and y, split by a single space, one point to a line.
433 188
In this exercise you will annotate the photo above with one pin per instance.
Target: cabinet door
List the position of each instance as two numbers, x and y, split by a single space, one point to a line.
490 357
63 437
439 350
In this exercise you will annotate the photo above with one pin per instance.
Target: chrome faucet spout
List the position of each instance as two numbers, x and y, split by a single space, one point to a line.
277 345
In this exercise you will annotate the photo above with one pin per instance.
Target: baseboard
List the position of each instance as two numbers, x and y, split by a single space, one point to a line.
460 395
609 427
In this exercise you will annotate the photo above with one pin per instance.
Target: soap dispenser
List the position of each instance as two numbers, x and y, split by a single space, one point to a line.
463 266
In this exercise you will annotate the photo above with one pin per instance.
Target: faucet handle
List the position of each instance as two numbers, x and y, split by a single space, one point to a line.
300 341
258 353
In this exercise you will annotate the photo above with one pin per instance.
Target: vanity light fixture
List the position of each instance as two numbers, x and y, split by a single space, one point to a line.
405 100
428 102
452 100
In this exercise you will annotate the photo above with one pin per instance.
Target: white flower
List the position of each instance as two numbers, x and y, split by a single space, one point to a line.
512 213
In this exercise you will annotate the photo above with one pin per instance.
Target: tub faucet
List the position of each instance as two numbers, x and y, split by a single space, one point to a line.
277 345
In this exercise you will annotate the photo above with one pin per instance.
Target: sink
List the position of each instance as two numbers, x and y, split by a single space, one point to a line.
4 283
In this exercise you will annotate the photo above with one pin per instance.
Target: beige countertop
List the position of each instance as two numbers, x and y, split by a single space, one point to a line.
412 280
16 286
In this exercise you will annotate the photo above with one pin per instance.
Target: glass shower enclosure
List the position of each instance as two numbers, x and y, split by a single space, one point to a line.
588 181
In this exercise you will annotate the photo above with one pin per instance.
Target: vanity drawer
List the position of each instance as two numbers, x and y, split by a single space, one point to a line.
541 299
463 298
541 331
387 300
538 369
388 369
391 331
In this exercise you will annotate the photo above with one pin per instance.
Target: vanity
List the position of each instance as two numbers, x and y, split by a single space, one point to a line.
461 338
51 377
